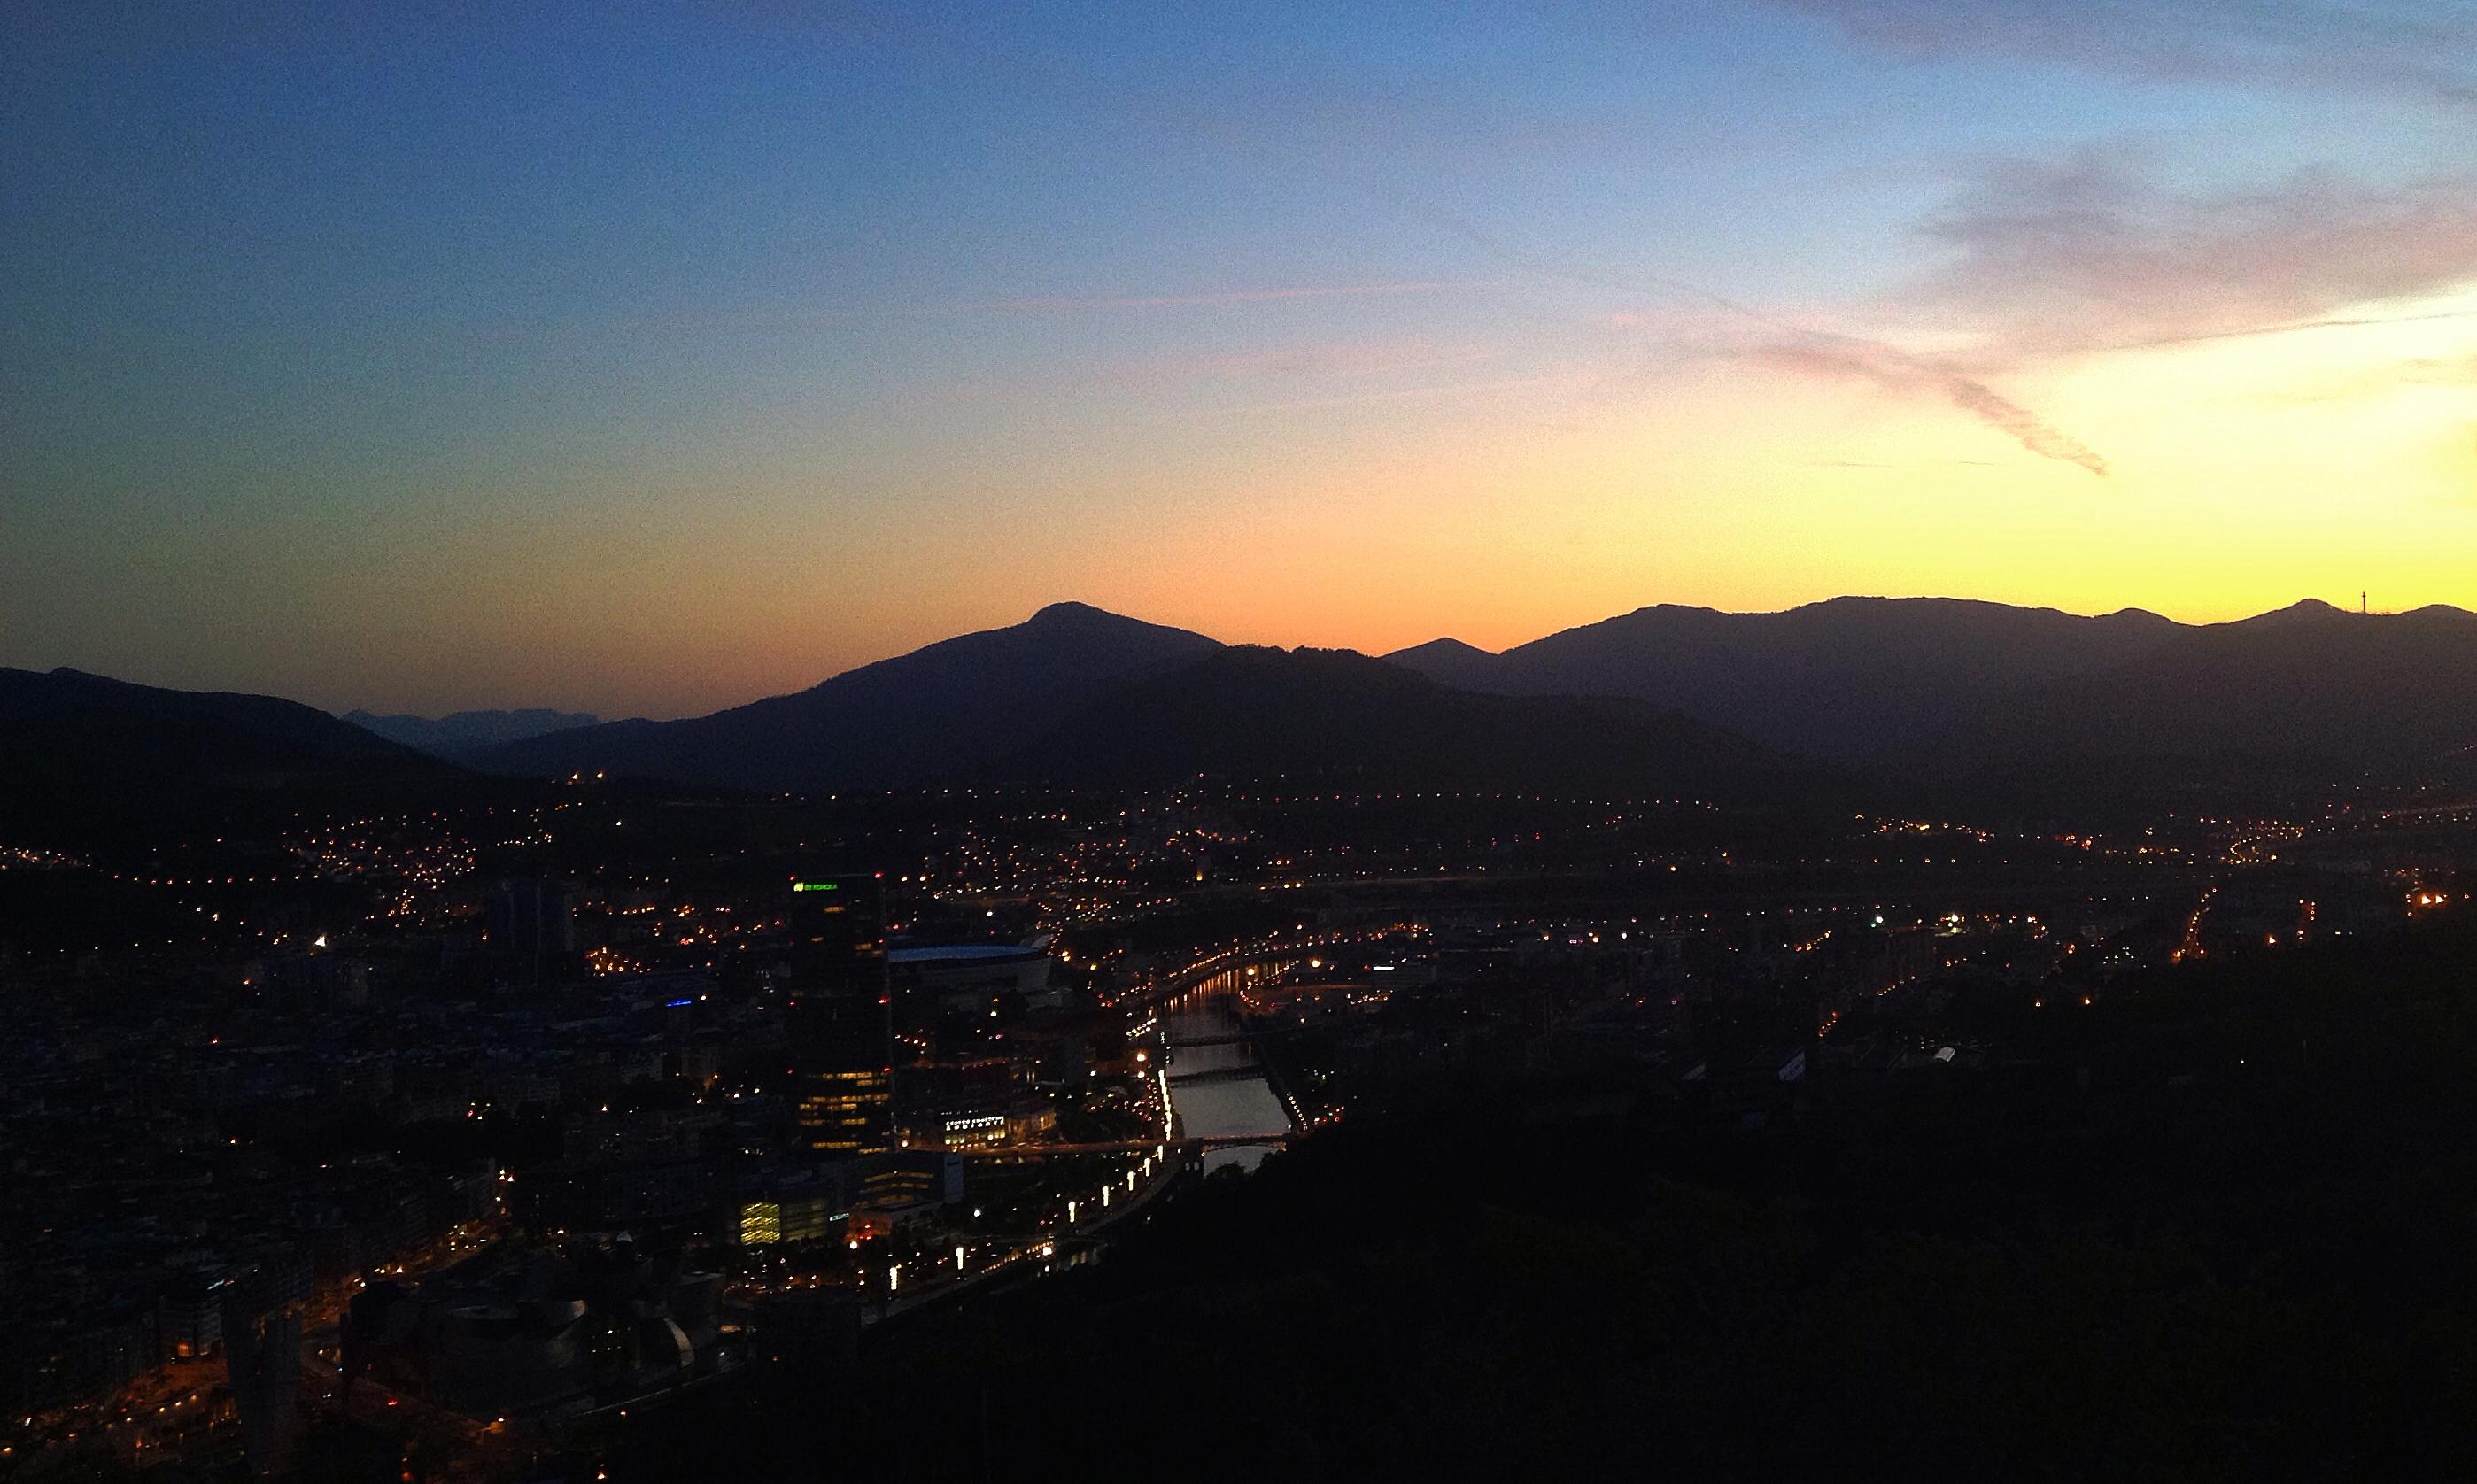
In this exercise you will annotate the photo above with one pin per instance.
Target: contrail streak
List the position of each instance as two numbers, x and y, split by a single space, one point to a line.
1852 356
2026 428
1887 364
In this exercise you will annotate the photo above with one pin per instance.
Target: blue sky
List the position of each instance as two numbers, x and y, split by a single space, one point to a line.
647 358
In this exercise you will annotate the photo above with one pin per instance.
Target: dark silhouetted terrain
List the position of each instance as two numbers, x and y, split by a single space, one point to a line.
89 757
937 713
1940 689
2308 683
2204 1231
1463 666
1853 680
460 732
1253 712
1962 705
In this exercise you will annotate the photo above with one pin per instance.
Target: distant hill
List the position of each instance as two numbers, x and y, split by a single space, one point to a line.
1336 715
1463 666
465 731
1974 706
1854 679
2306 685
935 713
2023 708
89 757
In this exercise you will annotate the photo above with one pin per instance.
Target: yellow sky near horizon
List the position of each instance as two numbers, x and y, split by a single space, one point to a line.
2244 474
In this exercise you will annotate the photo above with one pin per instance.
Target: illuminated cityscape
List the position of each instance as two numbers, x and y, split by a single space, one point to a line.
396 1076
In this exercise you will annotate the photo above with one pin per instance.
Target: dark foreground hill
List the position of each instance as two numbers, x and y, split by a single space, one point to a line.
88 758
2202 1232
1334 716
937 713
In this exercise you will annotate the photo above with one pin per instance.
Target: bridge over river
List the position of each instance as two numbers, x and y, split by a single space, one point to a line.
1180 983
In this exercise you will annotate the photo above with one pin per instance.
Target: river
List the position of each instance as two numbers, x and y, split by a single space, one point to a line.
1220 1090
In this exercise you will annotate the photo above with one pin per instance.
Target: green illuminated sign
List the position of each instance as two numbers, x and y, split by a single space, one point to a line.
816 886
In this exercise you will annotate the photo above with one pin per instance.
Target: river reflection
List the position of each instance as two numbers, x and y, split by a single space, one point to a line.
1220 1091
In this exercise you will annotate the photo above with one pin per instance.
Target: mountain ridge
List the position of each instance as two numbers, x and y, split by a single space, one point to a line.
1853 680
90 756
935 712
1928 688
458 733
1254 713
1450 661
1912 682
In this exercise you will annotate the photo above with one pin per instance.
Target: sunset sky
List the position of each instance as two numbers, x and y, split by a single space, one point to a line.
646 361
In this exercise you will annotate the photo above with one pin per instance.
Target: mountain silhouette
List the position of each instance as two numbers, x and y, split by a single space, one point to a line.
1340 716
89 757
2042 702
461 733
935 713
1463 666
1853 680
2308 684
1971 702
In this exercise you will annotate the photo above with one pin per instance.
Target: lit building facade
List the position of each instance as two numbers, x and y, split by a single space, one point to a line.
839 1017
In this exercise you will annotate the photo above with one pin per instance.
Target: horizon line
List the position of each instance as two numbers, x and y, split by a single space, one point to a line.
396 710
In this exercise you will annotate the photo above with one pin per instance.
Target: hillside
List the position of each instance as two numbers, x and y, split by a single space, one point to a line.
94 758
1453 662
1852 680
2031 701
1978 706
2307 684
935 713
460 732
1336 715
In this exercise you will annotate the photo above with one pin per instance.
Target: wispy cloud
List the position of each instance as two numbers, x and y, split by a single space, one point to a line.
1211 298
2419 48
1490 388
2088 253
1790 345
1314 361
2091 252
795 315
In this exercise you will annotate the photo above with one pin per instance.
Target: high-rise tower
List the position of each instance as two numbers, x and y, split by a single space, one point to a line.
840 1017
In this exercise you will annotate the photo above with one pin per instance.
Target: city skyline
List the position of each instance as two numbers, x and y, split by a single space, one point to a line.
651 367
